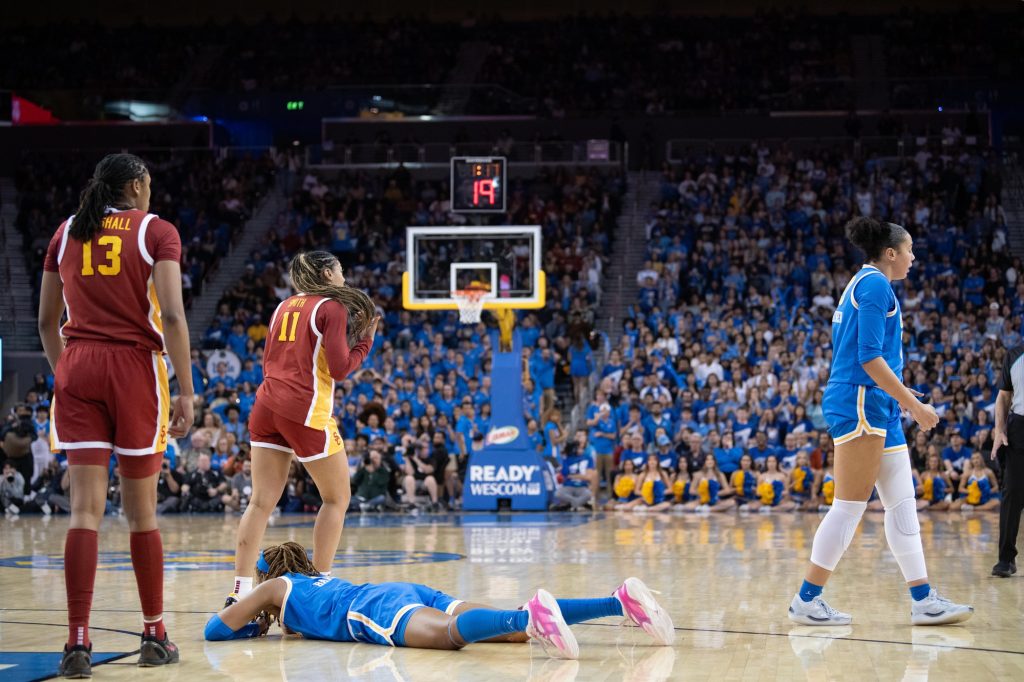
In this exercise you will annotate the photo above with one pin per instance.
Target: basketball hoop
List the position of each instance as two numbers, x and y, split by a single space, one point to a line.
471 304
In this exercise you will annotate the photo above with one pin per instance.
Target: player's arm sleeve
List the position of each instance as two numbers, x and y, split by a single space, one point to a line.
872 302
332 321
218 631
53 249
163 241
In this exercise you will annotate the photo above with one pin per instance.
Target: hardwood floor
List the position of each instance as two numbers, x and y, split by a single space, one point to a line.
725 579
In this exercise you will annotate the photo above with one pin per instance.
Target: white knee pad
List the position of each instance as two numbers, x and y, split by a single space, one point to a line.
902 516
902 530
903 533
895 479
835 532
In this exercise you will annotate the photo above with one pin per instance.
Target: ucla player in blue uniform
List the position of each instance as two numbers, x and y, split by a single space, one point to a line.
862 404
315 606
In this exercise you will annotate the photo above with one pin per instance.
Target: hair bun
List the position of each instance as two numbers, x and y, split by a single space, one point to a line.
862 230
869 235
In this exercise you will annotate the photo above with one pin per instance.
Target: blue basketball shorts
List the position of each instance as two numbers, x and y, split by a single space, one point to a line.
380 613
852 411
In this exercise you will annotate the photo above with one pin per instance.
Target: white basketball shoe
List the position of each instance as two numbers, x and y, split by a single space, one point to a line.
937 610
816 612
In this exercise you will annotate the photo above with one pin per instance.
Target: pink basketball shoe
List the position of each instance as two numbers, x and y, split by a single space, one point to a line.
548 627
642 610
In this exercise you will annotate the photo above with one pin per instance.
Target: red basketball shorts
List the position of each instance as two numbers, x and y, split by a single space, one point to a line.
111 398
267 429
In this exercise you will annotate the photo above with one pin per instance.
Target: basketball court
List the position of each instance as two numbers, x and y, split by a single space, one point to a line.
537 209
726 580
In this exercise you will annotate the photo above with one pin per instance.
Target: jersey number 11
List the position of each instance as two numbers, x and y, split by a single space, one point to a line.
286 333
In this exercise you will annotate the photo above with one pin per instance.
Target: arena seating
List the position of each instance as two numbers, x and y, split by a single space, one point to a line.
207 196
329 52
360 218
747 259
786 59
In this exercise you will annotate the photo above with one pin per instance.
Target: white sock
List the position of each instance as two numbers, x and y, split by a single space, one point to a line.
243 586
149 625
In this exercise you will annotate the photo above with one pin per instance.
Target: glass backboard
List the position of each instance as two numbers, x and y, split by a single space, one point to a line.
504 260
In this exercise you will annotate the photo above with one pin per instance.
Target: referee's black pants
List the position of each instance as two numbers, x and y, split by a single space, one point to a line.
1011 459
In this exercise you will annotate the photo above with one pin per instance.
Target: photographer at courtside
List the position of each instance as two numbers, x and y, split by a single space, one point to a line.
16 438
370 483
12 490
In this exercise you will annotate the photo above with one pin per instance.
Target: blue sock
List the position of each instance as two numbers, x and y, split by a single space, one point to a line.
919 592
809 591
480 624
579 610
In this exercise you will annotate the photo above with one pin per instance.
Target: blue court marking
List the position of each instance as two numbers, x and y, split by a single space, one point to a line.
224 560
461 519
28 666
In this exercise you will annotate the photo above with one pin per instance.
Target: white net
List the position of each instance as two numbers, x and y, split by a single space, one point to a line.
471 304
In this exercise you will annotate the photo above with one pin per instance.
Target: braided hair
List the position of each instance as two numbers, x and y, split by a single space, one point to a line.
306 272
289 557
105 188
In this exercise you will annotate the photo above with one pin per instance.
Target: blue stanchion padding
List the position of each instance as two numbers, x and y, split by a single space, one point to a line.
507 468
519 475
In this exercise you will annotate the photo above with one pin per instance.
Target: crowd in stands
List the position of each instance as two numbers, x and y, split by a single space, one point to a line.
361 218
632 63
727 354
240 57
208 196
975 65
424 392
293 56
711 398
776 58
72 55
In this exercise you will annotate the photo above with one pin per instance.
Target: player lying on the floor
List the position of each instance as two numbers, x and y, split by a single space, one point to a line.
291 590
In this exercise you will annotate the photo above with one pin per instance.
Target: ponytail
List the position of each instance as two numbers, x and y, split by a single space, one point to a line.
104 189
306 272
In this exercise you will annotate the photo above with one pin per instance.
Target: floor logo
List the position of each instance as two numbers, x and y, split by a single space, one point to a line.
28 666
224 560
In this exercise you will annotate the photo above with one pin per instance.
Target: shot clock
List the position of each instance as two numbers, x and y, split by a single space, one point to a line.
478 184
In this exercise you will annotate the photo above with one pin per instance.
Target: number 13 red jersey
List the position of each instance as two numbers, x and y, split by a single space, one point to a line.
108 281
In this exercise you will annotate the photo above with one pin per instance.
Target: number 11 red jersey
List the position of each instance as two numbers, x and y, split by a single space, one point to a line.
306 352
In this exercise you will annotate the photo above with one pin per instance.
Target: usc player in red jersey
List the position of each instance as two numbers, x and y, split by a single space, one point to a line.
114 268
307 351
